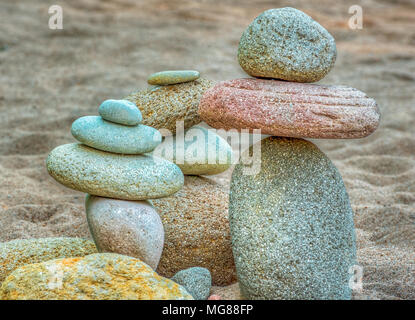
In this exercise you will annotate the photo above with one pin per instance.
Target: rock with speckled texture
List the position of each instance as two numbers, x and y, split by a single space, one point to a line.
196 230
197 151
162 106
173 77
292 225
120 111
128 177
103 135
17 253
197 281
100 276
131 228
286 44
290 109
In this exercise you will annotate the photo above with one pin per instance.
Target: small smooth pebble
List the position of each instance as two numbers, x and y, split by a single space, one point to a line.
128 177
214 297
99 276
197 281
131 228
103 135
292 225
286 44
163 106
173 77
197 151
290 109
120 111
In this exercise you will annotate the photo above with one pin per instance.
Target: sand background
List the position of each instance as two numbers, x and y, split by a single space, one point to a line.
48 78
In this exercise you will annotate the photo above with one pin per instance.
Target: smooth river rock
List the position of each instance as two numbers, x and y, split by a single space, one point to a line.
197 151
128 177
173 77
103 135
197 281
20 252
131 228
290 109
100 276
120 111
286 44
196 230
162 106
292 225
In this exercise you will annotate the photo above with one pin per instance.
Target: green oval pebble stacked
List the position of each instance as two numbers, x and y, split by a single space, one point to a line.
172 77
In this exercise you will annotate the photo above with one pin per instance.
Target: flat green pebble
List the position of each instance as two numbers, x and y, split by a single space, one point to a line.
173 77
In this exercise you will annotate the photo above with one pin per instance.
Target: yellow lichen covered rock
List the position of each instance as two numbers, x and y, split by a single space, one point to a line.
17 253
101 276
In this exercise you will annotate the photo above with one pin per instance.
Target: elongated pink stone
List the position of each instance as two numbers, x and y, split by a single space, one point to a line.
290 109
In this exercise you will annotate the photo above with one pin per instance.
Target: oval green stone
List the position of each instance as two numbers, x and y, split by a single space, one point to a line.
108 136
173 77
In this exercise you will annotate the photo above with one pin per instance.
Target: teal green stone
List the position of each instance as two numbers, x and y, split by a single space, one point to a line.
173 77
120 111
197 151
108 136
112 175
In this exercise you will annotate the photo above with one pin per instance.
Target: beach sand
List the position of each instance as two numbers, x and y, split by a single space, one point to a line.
107 49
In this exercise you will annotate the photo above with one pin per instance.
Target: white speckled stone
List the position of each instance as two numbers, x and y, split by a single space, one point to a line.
129 177
131 228
197 151
292 225
286 44
120 111
108 136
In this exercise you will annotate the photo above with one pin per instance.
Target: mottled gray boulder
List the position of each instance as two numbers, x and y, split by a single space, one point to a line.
286 44
197 281
292 225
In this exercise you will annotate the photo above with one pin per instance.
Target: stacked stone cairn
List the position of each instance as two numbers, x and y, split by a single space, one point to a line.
291 223
290 232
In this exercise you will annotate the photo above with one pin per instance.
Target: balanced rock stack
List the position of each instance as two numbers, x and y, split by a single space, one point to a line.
291 223
195 219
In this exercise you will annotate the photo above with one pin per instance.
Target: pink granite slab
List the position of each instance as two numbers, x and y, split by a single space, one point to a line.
290 109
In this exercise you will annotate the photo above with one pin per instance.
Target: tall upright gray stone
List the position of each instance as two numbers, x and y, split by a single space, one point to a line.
292 225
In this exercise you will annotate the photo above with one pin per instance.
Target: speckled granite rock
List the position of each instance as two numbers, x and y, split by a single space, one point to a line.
120 111
173 77
162 106
128 177
131 228
286 44
103 135
17 253
292 225
290 109
197 281
197 151
196 230
101 276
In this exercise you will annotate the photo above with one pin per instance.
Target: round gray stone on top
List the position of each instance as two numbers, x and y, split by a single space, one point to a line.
120 111
112 137
128 177
197 281
292 225
286 44
173 77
